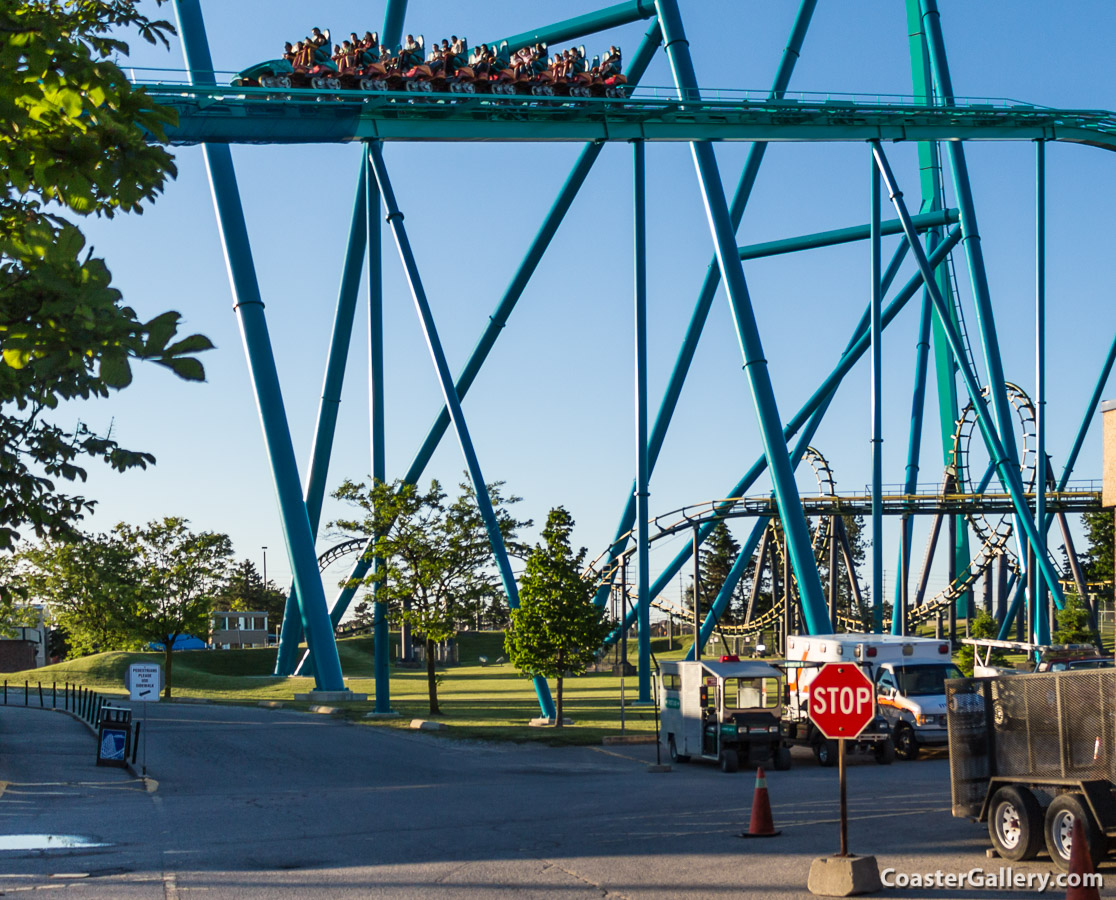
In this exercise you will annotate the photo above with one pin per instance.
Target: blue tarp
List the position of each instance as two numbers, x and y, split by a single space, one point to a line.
182 642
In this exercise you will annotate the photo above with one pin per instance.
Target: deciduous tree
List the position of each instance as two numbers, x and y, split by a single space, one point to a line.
74 142
438 562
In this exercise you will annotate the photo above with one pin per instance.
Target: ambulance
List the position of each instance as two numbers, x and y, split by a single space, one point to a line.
909 674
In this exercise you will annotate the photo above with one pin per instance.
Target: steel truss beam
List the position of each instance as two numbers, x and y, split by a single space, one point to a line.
226 115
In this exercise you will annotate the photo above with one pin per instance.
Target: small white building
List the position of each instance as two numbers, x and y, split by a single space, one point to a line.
235 629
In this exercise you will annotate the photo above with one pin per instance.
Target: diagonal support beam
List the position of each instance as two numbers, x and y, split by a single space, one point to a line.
579 26
859 346
1007 469
707 292
297 531
751 348
504 308
813 418
923 222
449 394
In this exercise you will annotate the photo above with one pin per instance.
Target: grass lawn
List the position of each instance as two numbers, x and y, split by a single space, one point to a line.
490 701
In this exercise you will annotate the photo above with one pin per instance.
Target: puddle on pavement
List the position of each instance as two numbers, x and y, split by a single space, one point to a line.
47 842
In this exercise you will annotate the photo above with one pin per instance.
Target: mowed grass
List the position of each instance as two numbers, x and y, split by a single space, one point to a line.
492 701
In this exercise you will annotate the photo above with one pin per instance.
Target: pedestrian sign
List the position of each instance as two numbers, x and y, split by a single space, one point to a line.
144 682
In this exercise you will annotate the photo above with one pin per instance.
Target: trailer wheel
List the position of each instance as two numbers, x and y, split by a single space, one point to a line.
885 752
675 756
781 758
1015 823
1063 811
730 760
906 744
826 752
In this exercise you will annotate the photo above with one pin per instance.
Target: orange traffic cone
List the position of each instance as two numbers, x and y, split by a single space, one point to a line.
761 824
1080 864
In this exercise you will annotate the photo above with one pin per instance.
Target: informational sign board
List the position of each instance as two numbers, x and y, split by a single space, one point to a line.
114 741
144 682
842 700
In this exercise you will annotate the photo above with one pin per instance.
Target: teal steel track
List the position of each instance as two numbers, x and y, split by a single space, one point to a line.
265 116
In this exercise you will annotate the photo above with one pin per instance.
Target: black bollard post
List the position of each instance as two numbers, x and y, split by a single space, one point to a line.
41 704
54 695
26 692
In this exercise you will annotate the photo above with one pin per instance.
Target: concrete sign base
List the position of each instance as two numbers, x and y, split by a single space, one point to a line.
844 876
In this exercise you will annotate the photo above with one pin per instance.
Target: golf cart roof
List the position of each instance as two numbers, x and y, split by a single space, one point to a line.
745 668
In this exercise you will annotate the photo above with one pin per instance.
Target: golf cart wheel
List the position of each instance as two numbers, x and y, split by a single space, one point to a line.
730 761
1015 823
826 752
906 744
675 756
781 758
1063 811
885 752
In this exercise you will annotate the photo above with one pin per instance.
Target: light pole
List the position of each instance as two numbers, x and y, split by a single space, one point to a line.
263 593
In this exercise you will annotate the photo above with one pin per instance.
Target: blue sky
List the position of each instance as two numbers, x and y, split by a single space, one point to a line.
552 413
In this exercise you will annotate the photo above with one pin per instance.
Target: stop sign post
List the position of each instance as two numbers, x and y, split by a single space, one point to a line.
842 703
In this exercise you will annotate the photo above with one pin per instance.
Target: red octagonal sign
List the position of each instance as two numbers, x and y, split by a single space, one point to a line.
842 701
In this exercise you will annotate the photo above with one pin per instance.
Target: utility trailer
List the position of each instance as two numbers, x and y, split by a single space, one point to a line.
1030 754
726 711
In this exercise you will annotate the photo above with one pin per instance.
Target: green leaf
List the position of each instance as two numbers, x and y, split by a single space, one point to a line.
115 371
160 330
185 367
195 343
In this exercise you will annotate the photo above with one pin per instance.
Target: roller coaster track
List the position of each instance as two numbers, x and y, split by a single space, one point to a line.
209 114
336 552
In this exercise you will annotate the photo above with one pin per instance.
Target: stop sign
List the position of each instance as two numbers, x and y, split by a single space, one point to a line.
842 701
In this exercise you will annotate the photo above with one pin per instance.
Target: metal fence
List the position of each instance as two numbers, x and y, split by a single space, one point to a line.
81 702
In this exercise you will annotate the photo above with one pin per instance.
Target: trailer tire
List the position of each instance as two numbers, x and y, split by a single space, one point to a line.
1060 816
885 752
781 758
906 744
826 752
1015 823
730 760
675 756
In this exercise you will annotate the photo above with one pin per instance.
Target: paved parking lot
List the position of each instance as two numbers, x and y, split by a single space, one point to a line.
255 803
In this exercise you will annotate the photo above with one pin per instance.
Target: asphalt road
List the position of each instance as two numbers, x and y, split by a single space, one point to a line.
254 803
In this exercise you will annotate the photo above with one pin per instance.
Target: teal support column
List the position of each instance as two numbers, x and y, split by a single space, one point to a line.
326 426
297 533
708 290
499 318
381 639
449 395
1006 469
639 162
1042 610
392 32
930 177
914 444
876 409
755 365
